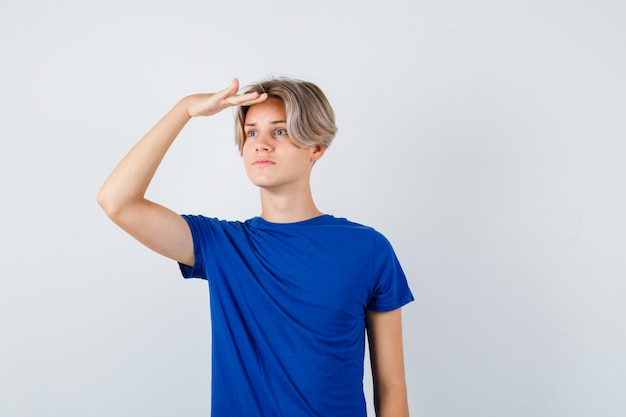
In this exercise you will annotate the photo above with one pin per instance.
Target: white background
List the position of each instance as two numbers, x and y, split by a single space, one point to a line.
485 139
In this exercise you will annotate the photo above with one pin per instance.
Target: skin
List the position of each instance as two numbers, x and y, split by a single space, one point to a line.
282 172
384 332
277 166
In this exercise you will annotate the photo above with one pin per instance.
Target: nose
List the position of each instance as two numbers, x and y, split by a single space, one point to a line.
263 144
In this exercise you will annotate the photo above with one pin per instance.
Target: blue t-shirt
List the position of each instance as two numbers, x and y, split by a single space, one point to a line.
288 305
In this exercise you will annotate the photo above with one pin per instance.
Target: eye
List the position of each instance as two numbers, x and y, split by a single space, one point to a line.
251 133
281 132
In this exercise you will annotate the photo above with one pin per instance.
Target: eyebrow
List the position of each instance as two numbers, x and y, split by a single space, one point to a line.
275 122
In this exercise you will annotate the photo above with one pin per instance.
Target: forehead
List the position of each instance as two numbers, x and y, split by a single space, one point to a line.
272 109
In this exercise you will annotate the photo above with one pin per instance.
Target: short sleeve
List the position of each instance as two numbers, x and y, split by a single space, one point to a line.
198 233
390 289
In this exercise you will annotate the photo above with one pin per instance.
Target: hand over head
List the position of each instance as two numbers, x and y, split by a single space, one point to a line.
212 103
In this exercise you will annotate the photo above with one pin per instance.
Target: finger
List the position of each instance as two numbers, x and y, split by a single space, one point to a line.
247 99
261 98
228 91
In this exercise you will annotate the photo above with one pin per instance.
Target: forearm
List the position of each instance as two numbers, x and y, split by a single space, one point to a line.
387 360
391 401
131 177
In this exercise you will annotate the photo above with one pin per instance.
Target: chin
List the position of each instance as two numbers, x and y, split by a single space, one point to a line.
261 182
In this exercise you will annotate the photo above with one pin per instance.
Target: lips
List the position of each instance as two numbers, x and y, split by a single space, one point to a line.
263 162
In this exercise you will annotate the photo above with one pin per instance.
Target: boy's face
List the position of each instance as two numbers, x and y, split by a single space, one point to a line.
271 158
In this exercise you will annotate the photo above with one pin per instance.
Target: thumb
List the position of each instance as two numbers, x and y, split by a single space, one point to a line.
230 90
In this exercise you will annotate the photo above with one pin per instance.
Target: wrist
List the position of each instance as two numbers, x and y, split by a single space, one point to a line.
183 107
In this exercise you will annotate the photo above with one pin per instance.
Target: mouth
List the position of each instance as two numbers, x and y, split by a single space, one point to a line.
263 162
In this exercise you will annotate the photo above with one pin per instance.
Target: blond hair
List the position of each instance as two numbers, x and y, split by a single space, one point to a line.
310 118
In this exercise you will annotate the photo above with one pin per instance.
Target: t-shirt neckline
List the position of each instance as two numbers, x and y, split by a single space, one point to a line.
260 221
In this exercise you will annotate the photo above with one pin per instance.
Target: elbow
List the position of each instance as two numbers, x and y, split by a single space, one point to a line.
101 198
117 205
107 202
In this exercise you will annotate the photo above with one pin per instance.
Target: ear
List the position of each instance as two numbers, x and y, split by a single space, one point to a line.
316 152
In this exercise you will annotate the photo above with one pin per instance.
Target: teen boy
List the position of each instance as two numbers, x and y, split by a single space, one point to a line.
292 291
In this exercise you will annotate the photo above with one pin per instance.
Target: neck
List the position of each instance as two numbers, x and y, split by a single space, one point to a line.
291 207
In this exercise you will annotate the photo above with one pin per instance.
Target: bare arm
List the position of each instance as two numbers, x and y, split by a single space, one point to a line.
122 194
384 332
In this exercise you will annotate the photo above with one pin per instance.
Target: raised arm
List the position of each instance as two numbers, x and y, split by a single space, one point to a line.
122 194
384 331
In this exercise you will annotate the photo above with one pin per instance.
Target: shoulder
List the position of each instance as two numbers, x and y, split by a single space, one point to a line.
213 224
342 222
364 236
358 228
